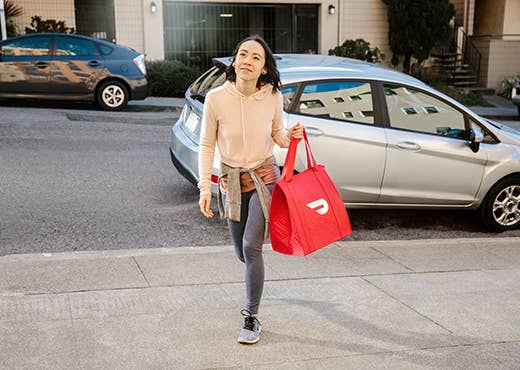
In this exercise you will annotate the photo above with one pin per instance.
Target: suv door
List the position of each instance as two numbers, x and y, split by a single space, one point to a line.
24 66
345 135
77 66
429 160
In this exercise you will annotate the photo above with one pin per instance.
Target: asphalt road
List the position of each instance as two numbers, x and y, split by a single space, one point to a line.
81 179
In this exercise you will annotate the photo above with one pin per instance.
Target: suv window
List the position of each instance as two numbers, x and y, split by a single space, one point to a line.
71 46
29 46
344 100
413 110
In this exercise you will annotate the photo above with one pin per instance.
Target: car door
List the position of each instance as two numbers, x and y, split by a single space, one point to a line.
345 135
77 66
24 66
429 160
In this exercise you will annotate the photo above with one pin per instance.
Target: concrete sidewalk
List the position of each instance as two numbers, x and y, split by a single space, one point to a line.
426 304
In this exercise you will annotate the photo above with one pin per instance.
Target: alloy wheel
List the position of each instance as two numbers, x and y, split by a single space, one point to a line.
113 96
506 206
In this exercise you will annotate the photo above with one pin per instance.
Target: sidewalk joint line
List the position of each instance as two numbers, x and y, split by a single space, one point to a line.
408 306
141 270
241 281
392 259
75 340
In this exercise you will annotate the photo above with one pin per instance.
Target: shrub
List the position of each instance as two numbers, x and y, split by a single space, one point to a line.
48 25
507 85
169 77
358 49
11 10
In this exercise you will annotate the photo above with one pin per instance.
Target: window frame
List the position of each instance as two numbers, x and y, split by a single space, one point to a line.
23 38
378 114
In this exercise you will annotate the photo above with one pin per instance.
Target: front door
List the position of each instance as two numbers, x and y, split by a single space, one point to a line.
429 160
24 66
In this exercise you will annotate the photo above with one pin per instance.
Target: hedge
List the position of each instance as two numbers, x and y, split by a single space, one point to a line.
169 77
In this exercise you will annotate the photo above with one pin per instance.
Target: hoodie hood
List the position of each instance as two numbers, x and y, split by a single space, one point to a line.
259 95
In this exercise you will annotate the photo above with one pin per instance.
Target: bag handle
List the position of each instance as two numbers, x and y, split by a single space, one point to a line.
288 167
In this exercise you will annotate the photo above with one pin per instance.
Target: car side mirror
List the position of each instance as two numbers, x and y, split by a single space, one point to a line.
475 138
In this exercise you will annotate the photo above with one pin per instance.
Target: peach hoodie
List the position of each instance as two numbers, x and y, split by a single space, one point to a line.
245 128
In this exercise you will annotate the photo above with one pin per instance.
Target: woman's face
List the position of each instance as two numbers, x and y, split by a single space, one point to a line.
250 61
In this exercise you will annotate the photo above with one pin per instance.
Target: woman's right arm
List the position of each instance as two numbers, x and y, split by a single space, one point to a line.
208 138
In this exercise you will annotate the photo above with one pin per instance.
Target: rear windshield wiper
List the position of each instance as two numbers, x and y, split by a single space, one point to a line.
199 97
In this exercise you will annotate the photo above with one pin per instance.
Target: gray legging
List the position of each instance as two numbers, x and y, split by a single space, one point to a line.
248 238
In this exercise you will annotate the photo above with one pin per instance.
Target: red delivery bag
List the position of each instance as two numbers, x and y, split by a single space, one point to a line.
307 212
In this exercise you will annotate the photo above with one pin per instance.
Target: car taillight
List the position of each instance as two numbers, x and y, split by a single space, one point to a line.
139 62
514 92
214 179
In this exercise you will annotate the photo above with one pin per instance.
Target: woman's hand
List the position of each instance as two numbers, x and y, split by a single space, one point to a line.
204 204
296 131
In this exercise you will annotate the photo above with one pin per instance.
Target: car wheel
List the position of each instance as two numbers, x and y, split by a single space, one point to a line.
112 95
500 211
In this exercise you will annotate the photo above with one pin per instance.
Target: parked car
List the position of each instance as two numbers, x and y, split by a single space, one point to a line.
515 96
71 67
386 139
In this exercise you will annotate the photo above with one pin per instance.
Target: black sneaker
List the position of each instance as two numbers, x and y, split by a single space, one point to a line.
250 333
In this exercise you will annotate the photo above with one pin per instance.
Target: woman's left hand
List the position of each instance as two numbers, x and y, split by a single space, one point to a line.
296 131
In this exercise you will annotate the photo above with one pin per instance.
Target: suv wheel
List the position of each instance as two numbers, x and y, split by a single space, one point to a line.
500 211
112 95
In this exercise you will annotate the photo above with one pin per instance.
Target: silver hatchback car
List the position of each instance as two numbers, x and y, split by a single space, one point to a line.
387 140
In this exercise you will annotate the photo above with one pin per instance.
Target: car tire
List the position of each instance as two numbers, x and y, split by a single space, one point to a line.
500 210
112 95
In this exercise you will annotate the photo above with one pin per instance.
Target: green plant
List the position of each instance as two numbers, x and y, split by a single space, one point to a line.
358 49
11 10
415 26
507 85
47 25
169 77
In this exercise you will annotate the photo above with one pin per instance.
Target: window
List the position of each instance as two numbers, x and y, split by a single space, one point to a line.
30 46
288 95
211 79
71 46
342 100
414 110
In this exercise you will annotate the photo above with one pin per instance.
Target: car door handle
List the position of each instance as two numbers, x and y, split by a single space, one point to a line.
408 145
42 65
313 131
94 63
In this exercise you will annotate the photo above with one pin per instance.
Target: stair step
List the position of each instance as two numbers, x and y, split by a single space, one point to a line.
463 77
482 90
465 83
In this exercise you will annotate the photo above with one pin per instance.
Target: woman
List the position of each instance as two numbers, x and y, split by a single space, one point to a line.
244 118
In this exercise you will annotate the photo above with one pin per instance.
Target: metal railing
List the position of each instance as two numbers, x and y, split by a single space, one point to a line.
470 53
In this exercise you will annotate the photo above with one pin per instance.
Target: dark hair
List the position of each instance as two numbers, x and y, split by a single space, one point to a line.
271 77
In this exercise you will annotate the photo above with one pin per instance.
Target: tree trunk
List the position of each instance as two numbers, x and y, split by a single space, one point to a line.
406 62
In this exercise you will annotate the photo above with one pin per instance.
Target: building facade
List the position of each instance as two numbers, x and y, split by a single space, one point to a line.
194 31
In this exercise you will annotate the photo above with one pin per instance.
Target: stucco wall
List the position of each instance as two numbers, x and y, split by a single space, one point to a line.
499 61
366 19
60 10
129 23
512 19
459 11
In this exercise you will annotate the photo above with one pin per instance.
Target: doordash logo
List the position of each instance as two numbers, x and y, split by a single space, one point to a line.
320 206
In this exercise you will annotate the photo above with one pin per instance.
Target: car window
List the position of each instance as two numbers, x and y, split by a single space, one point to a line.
344 100
30 46
211 79
413 110
71 46
288 95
